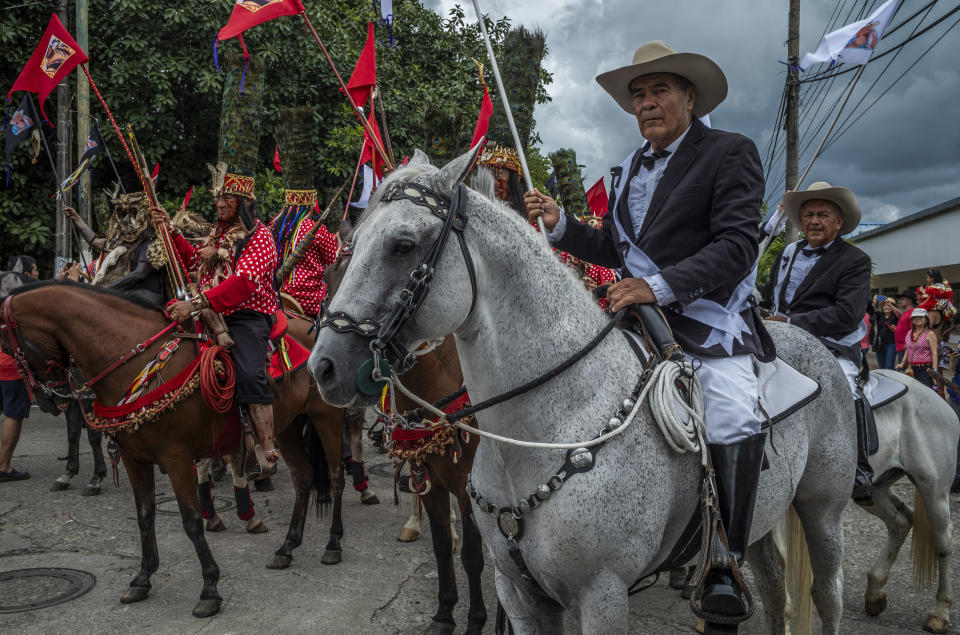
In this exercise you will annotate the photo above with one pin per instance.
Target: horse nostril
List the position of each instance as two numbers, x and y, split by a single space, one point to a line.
325 369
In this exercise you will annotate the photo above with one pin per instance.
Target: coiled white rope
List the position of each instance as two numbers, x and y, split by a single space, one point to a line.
683 432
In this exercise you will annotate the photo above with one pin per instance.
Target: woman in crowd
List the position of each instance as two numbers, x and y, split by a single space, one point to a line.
921 348
884 342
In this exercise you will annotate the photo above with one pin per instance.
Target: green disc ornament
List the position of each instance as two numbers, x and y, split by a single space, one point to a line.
365 381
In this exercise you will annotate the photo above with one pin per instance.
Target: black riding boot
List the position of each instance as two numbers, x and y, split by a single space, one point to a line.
863 483
737 468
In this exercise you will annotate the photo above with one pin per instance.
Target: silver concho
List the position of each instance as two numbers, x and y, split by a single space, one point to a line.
508 524
524 506
628 404
543 492
581 458
614 423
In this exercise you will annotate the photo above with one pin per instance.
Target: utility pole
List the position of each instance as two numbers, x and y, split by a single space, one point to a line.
83 114
62 237
793 110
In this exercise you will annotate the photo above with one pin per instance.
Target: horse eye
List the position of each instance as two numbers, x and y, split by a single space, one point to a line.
403 247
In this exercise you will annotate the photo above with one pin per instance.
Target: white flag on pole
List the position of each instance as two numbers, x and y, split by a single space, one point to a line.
854 43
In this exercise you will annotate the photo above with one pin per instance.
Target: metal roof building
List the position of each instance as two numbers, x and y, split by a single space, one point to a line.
904 249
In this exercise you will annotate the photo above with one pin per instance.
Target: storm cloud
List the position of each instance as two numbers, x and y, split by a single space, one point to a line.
900 157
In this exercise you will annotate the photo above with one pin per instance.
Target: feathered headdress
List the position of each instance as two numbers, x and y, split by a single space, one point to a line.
239 127
521 68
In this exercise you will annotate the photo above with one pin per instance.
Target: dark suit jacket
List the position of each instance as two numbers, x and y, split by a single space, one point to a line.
702 229
832 299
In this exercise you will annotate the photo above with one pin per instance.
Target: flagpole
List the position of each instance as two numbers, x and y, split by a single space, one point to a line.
109 158
766 241
506 107
383 119
173 259
353 104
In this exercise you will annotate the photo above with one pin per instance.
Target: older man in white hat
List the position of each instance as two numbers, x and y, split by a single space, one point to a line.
822 284
686 217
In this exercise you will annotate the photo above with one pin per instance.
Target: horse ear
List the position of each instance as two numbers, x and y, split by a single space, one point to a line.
419 158
453 173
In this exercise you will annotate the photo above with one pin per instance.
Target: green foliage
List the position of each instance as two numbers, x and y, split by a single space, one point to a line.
153 62
769 257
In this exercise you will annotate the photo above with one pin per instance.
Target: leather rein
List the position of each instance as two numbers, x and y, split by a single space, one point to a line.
18 344
385 334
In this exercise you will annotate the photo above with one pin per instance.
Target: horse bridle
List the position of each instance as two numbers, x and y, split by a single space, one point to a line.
78 390
387 342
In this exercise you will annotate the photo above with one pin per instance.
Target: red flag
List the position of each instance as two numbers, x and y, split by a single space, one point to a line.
250 13
370 153
56 55
186 199
156 172
597 199
364 76
483 121
276 159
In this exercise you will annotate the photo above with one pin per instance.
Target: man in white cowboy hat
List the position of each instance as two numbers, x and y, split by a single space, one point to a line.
822 285
685 231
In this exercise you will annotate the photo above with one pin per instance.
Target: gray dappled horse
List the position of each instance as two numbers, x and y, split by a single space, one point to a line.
610 526
10 280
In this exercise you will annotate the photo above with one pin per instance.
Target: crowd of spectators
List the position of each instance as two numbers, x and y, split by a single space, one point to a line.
911 333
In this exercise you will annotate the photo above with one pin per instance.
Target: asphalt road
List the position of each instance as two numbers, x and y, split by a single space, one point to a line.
382 585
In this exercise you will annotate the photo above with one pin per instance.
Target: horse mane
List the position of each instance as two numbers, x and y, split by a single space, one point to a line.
127 296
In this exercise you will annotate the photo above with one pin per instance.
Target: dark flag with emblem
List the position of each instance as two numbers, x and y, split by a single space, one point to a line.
93 148
54 58
551 185
22 122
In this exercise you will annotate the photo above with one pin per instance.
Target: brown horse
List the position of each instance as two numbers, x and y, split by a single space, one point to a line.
435 376
56 322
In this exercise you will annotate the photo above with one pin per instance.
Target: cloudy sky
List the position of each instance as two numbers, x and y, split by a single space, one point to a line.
901 157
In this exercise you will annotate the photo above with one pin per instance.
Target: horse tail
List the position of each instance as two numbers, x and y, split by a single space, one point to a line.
798 573
921 545
319 467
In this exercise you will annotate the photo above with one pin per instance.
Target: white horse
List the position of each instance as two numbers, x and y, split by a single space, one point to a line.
608 527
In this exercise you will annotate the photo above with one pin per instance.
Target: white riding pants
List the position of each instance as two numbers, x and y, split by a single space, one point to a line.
730 397
851 371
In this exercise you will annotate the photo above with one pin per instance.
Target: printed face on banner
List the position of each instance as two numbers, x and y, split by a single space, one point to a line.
866 38
255 5
19 122
91 144
57 53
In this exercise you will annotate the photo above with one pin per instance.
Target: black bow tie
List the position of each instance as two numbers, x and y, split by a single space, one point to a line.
647 160
816 251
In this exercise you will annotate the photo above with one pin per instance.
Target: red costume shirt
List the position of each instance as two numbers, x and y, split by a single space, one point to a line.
8 368
248 282
305 283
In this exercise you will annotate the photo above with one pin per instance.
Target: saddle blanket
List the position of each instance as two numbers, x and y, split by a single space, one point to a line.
288 355
884 386
783 389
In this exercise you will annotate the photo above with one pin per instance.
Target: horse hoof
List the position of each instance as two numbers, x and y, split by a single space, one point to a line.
456 541
207 608
701 624
59 486
215 524
264 485
331 557
369 498
90 490
256 525
876 606
279 562
936 624
134 594
440 628
408 535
